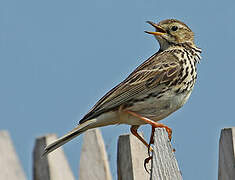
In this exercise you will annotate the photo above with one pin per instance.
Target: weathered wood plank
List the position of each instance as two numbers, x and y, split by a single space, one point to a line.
130 158
10 168
53 166
227 154
164 164
93 160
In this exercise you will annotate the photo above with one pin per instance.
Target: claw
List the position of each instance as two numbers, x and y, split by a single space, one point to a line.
146 161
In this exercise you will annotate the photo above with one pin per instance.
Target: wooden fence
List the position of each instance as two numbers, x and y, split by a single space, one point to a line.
130 157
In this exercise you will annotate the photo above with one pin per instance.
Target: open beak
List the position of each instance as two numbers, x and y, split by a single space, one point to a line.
159 29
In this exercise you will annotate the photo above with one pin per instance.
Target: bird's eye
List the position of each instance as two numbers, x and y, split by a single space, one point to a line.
174 28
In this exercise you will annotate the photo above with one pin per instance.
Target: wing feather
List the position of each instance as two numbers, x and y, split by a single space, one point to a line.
158 69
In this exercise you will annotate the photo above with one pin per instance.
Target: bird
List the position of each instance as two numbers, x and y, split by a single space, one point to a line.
155 89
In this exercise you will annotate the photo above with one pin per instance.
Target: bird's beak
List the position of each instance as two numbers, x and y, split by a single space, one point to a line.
159 29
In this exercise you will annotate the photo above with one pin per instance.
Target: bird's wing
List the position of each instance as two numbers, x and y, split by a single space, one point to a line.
160 69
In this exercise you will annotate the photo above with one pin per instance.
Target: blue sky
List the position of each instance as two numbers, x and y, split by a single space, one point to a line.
57 58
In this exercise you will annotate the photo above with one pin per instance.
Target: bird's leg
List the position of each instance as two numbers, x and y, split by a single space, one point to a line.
154 125
135 133
134 129
151 141
151 122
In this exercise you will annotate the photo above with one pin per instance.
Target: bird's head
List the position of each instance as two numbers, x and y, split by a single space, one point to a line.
172 32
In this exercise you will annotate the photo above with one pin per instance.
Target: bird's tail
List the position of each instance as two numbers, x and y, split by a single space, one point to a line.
72 134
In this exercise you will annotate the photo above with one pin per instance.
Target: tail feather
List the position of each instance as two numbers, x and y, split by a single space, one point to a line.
72 134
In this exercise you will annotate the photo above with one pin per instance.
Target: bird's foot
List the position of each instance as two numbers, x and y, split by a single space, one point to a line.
146 161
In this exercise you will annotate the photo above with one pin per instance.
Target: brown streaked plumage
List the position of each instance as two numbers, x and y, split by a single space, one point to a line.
154 90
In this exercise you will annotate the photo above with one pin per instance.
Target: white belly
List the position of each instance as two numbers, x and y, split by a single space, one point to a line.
156 109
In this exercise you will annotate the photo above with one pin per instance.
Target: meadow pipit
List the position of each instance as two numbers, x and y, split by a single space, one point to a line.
158 87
